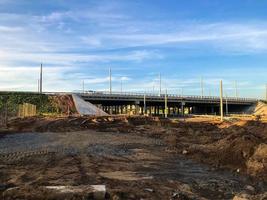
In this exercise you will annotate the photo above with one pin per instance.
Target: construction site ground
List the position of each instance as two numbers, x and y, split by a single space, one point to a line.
135 157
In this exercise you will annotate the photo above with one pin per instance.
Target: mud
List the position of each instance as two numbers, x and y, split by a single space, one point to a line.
135 157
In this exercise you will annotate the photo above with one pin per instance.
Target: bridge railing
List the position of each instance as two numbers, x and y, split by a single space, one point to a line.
153 95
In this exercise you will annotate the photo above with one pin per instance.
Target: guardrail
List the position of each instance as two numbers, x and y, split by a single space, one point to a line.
142 94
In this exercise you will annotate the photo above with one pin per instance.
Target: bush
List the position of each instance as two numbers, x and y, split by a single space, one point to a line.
13 99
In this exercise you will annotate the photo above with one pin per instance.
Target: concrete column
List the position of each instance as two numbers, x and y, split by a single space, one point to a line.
131 109
182 109
212 110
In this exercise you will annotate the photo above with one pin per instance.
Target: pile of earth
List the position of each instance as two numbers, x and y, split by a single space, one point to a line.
240 145
260 109
239 148
63 103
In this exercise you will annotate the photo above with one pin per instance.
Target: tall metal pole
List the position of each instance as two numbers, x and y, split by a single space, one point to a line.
159 84
266 92
166 105
221 99
110 86
202 87
41 79
83 86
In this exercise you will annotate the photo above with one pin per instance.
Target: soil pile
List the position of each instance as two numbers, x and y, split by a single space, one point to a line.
261 109
63 103
115 148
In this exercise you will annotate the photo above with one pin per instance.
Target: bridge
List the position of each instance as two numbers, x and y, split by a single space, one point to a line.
153 104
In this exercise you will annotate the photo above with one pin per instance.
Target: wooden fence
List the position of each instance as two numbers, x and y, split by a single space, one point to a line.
26 110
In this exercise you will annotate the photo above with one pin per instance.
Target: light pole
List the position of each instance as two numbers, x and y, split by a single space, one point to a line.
166 105
110 86
221 99
202 87
159 84
41 78
83 86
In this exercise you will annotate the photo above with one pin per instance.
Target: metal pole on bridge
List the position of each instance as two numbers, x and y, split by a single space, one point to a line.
166 105
41 78
83 86
110 86
202 87
159 84
145 104
221 99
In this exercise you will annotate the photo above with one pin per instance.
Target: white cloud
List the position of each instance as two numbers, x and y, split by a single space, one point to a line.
72 58
7 29
224 36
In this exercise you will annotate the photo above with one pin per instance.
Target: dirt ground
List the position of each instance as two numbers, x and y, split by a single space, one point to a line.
135 157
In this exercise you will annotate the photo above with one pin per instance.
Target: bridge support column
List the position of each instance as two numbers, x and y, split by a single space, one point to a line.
131 109
182 108
212 110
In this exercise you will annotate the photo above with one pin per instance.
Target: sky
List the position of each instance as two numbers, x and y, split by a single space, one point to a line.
185 41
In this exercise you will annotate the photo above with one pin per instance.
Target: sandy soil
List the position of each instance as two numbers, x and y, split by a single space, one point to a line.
135 157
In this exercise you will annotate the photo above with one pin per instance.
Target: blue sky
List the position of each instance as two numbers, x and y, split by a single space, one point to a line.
183 40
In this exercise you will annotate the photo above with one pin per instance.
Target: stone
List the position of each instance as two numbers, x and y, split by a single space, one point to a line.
184 152
241 197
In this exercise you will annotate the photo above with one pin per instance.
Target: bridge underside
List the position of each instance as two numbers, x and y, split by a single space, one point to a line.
157 108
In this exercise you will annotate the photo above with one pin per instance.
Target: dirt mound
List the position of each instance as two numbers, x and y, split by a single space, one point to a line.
239 146
257 163
260 109
64 104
